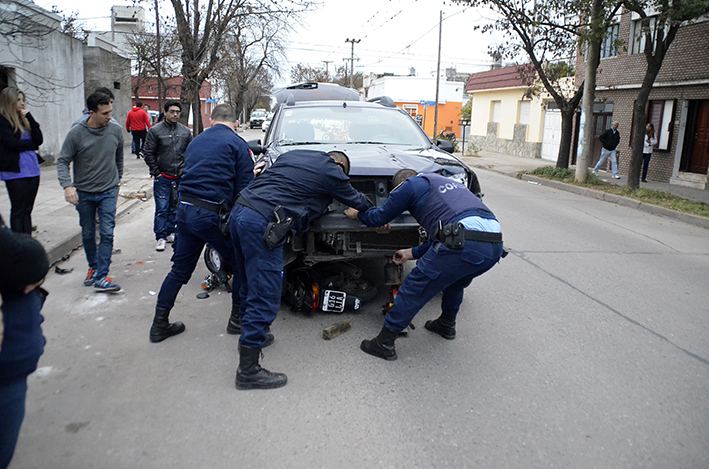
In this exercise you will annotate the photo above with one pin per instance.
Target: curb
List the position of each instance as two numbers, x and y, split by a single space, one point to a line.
67 246
695 220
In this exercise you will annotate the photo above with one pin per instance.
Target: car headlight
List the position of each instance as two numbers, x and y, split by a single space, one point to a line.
461 177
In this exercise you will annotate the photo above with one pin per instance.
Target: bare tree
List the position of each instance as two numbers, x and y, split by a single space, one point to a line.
252 57
659 30
202 29
302 73
547 32
153 62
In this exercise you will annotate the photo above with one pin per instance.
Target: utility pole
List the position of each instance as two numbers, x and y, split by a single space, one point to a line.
438 76
352 59
157 37
327 62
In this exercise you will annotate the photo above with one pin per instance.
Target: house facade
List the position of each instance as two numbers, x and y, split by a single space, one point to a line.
56 71
678 104
506 119
417 95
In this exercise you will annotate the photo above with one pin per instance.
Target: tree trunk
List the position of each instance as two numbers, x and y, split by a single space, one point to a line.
589 92
639 121
567 125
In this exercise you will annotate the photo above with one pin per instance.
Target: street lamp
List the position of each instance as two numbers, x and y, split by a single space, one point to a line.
463 124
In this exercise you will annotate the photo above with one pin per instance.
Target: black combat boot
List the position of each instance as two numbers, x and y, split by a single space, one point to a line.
250 375
381 346
161 328
233 327
443 326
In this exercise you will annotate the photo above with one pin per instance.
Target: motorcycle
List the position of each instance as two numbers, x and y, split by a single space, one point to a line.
332 288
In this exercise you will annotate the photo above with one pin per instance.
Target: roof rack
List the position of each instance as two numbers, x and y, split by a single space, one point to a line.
383 100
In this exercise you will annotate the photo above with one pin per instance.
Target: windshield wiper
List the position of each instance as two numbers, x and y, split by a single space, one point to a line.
287 143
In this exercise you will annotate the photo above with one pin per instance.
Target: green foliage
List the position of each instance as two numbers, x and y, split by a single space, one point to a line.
466 110
648 196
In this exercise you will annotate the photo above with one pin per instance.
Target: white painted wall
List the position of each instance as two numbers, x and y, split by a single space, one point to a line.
49 70
415 89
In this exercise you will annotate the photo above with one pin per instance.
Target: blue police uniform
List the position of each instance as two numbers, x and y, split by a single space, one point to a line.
303 183
218 165
430 198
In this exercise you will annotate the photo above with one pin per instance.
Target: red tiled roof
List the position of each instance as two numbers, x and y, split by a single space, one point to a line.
507 77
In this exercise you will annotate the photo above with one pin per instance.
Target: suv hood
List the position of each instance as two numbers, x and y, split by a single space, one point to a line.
386 160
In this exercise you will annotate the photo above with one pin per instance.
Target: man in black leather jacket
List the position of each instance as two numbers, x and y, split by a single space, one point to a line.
164 153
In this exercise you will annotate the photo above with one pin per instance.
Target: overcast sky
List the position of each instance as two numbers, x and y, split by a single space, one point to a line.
394 35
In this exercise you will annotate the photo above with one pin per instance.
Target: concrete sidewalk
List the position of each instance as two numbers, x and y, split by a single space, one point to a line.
57 221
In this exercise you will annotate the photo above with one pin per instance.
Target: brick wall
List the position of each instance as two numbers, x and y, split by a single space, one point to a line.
687 59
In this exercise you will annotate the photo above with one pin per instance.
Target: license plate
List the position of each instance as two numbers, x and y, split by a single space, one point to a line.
334 301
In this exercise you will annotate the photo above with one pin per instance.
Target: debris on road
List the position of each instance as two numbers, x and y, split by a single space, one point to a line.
336 329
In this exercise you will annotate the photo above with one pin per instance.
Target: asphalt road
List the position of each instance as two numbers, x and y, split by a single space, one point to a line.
587 347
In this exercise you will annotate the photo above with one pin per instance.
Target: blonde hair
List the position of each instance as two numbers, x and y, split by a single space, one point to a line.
8 109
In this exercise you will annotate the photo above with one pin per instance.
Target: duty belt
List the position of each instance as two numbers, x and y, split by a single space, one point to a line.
454 235
211 206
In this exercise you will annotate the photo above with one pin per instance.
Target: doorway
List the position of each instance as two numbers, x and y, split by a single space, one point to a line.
695 155
602 120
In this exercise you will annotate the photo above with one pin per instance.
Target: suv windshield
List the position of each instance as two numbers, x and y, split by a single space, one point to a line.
348 125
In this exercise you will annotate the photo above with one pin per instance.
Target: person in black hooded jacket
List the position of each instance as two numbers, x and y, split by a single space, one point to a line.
20 136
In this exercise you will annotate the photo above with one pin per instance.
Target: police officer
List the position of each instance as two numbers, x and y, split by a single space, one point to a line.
302 183
218 165
466 243
164 153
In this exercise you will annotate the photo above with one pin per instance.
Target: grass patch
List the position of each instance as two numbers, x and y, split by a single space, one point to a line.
648 196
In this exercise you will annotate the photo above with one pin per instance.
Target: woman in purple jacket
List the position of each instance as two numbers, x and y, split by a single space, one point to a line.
20 137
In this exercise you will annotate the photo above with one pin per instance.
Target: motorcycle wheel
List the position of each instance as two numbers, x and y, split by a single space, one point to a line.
214 261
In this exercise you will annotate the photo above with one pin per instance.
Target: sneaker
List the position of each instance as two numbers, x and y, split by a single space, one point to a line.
106 284
170 238
160 246
595 173
90 278
616 176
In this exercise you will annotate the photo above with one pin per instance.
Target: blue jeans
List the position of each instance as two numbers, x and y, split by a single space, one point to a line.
165 209
605 154
195 227
441 269
12 409
260 272
103 204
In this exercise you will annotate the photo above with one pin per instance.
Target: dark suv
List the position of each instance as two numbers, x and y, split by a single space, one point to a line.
379 139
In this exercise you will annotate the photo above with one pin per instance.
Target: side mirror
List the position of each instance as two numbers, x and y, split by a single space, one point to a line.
445 145
255 146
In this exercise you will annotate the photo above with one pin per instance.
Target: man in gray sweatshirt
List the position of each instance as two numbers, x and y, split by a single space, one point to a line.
96 150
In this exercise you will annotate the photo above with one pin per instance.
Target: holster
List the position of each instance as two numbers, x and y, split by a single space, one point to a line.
174 193
276 231
454 235
224 212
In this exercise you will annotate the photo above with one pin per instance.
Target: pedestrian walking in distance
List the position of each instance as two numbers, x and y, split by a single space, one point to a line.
137 124
609 140
164 153
465 242
94 149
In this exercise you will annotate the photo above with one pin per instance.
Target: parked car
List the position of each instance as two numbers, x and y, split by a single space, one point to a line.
257 118
266 124
379 139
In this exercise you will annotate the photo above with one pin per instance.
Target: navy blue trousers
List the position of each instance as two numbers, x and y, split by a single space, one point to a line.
195 227
260 272
441 269
12 410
